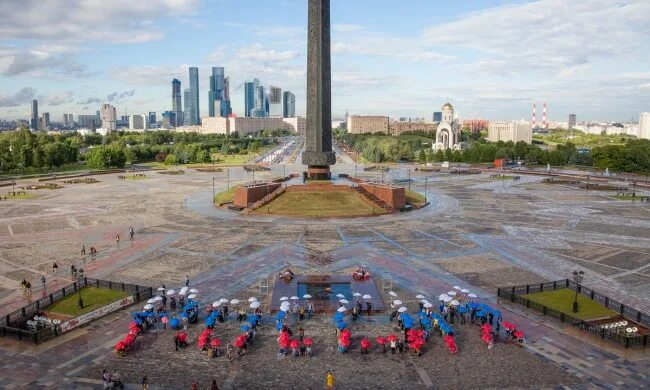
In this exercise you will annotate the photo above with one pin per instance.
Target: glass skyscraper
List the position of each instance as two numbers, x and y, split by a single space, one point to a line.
215 94
176 103
187 99
34 121
288 104
249 97
260 110
192 110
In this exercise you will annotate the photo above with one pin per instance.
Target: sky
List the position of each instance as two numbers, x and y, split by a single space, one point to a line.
490 59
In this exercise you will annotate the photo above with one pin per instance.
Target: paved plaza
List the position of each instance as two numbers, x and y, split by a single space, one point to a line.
477 232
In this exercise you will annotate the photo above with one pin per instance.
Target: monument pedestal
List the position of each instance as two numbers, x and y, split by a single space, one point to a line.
319 172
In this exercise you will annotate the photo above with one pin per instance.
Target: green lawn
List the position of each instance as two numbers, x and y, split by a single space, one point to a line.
320 204
21 196
502 177
226 196
562 300
413 197
93 298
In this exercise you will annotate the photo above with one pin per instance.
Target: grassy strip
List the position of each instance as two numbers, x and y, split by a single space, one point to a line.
562 301
93 298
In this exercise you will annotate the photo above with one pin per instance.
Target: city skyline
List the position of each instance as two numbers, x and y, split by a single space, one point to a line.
397 63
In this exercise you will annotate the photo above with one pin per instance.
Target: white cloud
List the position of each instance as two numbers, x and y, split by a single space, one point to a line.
257 52
25 95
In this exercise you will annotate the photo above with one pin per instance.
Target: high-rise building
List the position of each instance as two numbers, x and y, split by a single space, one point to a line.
226 108
168 119
259 110
88 121
249 97
177 108
108 117
68 119
34 121
46 120
510 131
138 122
572 121
288 104
644 125
152 118
437 116
186 106
275 102
192 110
215 94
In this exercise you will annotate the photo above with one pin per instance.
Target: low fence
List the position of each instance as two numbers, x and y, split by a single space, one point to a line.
12 323
513 294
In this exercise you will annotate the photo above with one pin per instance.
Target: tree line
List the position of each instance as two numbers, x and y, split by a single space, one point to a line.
23 151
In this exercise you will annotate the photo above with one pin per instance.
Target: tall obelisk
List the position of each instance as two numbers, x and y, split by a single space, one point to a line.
318 154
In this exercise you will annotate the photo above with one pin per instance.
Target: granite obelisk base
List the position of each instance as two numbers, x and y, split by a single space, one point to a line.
318 154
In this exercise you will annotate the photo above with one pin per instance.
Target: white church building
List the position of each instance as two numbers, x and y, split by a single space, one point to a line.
448 131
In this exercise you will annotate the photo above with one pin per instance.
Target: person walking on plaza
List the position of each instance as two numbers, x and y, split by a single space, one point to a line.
131 232
43 282
117 238
310 309
214 385
145 383
187 280
369 308
55 268
329 380
83 250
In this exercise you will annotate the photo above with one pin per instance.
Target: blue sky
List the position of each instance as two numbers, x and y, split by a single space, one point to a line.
491 59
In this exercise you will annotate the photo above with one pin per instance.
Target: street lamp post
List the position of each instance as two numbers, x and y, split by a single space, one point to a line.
409 179
228 177
577 278
213 194
425 190
80 301
355 170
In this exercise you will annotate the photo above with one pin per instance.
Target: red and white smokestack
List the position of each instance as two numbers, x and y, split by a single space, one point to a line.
544 124
533 124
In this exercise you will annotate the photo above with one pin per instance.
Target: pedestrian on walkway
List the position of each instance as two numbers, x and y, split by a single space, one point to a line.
329 380
214 385
43 282
144 383
369 308
187 280
131 232
117 237
83 250
55 268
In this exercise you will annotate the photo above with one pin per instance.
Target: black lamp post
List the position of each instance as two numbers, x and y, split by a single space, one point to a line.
228 177
213 194
577 278
409 179
425 190
81 278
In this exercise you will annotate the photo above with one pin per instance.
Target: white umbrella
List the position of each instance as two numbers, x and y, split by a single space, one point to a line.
161 289
170 292
452 293
428 305
182 292
397 302
185 288
151 301
402 309
454 302
284 308
356 294
457 288
419 296
223 300
447 299
252 299
306 296
157 299
472 295
367 296
284 298
344 301
216 304
294 298
191 296
254 305
234 301
340 296
392 293
194 291
342 309
148 306
442 297
464 291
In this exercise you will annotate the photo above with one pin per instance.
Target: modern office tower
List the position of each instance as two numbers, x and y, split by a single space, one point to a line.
215 94
108 117
572 121
644 125
68 119
152 118
275 102
138 122
288 104
437 116
192 110
46 120
249 96
34 121
87 121
176 102
186 106
98 118
226 108
260 103
168 119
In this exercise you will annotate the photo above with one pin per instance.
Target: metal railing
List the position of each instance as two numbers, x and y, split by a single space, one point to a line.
12 324
513 294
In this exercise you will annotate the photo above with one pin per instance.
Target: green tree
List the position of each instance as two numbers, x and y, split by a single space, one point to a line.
106 156
171 160
422 157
